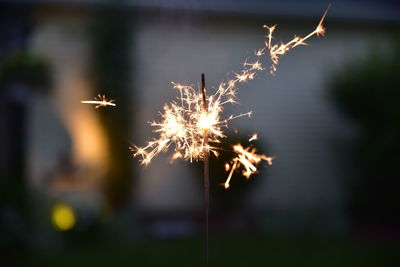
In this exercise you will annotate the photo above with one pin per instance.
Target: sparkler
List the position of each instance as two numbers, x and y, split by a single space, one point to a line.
193 124
206 163
100 101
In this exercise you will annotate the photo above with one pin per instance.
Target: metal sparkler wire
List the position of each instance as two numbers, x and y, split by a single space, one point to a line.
206 169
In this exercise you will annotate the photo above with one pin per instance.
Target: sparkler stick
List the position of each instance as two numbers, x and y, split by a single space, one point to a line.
206 164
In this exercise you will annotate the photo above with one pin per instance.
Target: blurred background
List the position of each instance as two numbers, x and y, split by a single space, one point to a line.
72 195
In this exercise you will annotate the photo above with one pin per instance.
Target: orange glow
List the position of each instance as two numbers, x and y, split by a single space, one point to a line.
88 140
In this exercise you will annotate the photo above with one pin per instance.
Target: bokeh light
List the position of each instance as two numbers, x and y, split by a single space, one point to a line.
63 217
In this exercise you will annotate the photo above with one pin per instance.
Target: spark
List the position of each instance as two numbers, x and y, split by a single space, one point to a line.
246 158
193 126
278 49
184 123
253 137
100 101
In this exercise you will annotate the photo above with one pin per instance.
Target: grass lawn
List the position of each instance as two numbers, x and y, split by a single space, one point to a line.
223 252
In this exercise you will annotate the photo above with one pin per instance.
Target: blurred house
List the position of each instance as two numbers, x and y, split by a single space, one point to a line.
176 41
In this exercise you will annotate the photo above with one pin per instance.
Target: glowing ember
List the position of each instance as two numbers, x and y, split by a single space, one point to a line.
246 158
253 137
100 101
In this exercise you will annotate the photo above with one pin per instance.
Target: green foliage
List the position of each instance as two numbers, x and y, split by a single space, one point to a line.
27 68
368 91
33 73
225 251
